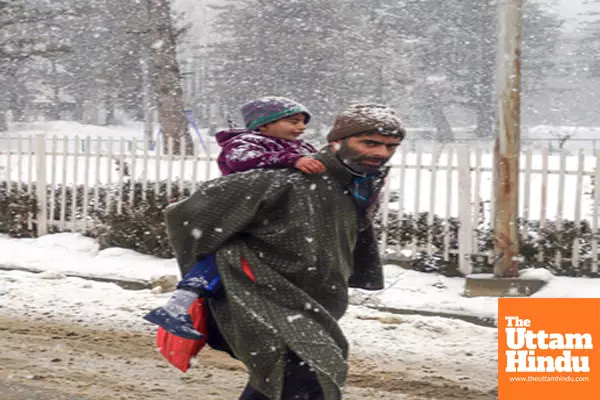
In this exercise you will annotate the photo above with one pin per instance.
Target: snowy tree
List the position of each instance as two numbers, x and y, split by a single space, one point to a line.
297 49
94 58
21 41
167 77
427 57
78 54
456 42
590 45
103 73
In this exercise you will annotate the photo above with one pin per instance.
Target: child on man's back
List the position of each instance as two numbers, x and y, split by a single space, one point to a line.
274 125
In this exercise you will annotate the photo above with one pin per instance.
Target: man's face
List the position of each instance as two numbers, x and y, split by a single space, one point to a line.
366 153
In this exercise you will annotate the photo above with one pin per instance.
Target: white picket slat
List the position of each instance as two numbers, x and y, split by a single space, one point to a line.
195 166
20 163
544 195
133 174
41 184
449 193
182 160
63 193
145 167
9 167
208 160
527 185
157 160
109 169
86 180
596 214
122 169
54 148
417 196
577 219
401 181
560 204
432 198
97 178
74 184
476 197
465 211
385 214
169 167
30 161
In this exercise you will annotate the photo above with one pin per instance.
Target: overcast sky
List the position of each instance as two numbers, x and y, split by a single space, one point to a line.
572 10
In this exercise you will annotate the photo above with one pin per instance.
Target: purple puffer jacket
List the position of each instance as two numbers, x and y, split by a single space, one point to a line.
243 150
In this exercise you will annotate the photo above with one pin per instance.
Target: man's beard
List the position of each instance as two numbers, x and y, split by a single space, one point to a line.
354 159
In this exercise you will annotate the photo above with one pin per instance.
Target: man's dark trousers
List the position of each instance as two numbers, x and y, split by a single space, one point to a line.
300 383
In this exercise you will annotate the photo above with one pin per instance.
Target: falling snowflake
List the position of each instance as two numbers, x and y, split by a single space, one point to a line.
196 233
157 44
292 318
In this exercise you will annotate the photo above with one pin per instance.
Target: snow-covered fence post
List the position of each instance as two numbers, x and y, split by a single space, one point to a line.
385 217
506 149
465 214
42 202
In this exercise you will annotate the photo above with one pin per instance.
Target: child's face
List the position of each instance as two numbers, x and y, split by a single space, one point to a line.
288 128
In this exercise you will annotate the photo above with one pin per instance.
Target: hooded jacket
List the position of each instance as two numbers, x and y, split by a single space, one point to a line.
243 150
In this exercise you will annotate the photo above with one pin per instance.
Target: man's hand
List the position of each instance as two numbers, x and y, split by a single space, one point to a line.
309 165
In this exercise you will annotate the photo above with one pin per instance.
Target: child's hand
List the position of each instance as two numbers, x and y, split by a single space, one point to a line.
309 165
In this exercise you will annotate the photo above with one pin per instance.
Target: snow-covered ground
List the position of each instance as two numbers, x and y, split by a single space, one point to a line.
456 349
71 253
72 129
373 335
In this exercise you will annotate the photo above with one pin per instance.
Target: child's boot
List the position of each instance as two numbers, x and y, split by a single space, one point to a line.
174 317
202 280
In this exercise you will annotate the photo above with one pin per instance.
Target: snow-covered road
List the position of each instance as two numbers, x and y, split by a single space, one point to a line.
87 339
50 360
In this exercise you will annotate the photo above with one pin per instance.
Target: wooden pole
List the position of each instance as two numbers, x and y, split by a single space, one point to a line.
506 150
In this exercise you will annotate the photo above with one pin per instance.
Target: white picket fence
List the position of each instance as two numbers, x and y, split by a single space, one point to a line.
457 181
445 181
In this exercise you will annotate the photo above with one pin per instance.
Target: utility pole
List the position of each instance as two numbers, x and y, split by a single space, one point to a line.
506 149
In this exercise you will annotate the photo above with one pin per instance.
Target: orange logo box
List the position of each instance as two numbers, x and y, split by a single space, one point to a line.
548 349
